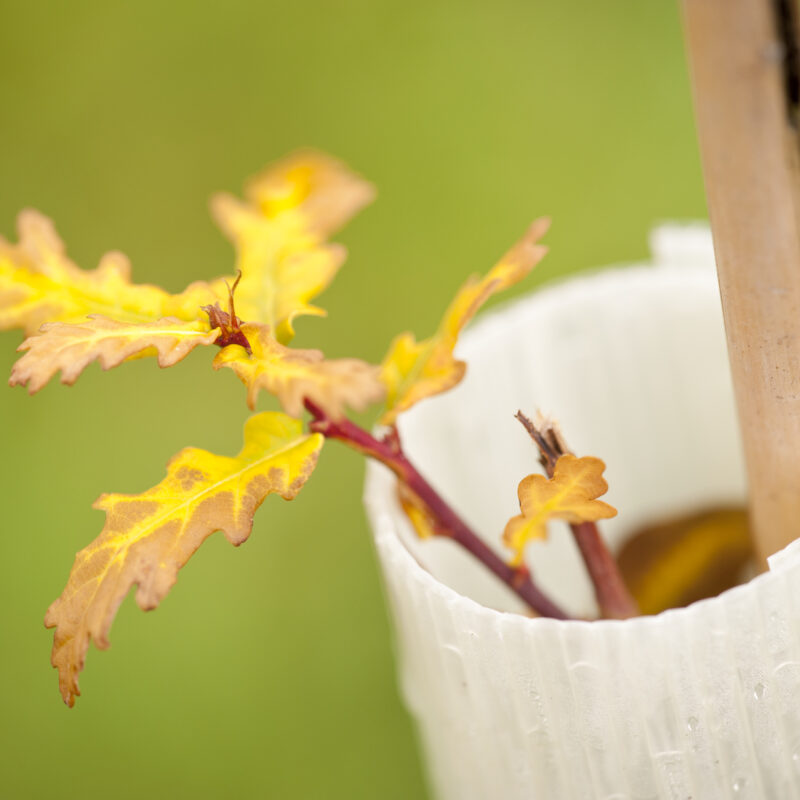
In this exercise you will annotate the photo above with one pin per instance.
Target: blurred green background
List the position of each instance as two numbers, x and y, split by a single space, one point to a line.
268 670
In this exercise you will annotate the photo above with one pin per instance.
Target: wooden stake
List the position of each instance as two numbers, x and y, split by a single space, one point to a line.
743 58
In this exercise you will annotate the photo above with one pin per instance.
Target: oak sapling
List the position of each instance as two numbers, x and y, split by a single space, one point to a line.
73 317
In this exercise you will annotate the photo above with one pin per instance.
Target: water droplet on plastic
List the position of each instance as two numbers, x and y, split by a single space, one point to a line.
758 691
692 723
739 784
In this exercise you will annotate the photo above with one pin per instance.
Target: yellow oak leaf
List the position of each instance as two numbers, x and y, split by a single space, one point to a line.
294 375
414 370
569 495
39 283
72 347
148 537
279 234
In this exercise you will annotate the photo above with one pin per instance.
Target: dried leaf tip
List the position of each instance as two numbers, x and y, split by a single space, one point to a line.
529 250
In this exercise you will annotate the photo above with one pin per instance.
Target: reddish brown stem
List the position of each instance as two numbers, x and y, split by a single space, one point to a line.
390 453
612 595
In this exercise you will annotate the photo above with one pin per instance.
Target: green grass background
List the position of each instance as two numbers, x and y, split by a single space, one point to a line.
268 670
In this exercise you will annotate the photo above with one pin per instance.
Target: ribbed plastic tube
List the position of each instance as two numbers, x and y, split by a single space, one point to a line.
701 702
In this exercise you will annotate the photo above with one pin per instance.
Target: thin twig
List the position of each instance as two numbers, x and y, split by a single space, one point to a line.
389 452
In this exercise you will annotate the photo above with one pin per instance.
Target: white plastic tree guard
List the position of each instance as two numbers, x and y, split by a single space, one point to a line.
701 702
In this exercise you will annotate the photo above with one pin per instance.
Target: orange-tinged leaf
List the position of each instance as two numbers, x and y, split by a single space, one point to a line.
72 347
569 495
414 370
148 537
39 283
279 233
293 375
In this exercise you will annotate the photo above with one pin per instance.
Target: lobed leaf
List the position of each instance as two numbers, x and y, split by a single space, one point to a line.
569 495
148 537
414 370
279 233
294 375
72 347
39 283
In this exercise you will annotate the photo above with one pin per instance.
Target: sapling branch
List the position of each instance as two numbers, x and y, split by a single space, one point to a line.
390 453
281 233
613 597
